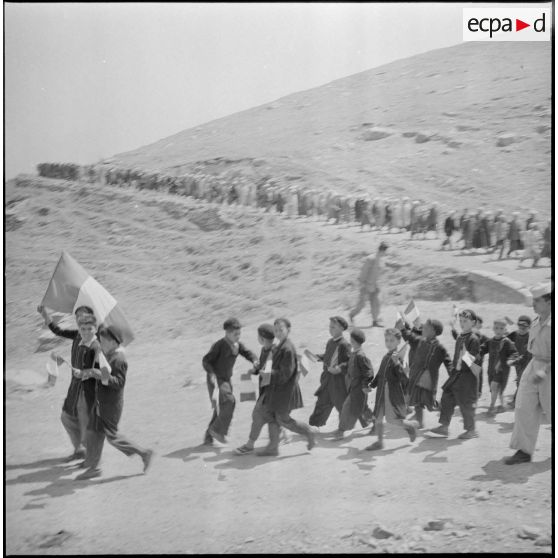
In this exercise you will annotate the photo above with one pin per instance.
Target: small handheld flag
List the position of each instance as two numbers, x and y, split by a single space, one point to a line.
411 313
247 389
303 364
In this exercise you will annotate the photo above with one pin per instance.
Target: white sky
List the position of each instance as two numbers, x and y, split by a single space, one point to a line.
86 81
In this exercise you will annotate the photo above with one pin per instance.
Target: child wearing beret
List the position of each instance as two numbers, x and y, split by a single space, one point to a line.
461 388
429 354
359 375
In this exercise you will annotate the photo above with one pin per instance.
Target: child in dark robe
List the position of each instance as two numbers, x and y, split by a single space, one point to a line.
520 338
461 388
428 356
501 354
359 376
390 384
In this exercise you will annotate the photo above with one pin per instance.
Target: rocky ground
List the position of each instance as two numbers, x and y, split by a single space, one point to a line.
178 270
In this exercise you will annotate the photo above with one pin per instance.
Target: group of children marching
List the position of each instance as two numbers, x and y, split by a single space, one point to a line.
348 376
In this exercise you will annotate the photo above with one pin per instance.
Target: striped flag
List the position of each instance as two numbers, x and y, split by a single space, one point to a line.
247 388
411 313
403 353
71 286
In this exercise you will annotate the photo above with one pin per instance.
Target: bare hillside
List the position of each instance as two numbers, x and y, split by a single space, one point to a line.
464 125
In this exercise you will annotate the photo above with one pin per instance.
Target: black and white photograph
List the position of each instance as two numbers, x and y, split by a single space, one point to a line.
278 278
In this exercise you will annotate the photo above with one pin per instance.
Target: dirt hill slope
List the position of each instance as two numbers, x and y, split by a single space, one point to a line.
463 125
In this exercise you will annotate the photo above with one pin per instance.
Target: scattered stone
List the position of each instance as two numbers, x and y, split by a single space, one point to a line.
376 134
409 134
248 540
459 534
529 532
542 129
347 534
57 539
482 495
544 541
423 137
381 533
505 140
469 526
434 525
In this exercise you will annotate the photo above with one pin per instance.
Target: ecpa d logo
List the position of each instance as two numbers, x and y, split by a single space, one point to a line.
507 24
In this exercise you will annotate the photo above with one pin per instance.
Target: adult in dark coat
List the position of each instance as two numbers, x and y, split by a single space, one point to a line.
109 402
283 391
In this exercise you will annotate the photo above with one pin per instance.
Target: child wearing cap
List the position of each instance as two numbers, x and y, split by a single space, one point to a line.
282 391
390 384
461 388
534 396
263 369
359 375
501 354
219 363
519 338
81 393
332 391
109 401
428 356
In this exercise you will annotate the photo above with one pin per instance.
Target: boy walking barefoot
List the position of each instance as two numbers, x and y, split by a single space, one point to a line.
390 384
219 363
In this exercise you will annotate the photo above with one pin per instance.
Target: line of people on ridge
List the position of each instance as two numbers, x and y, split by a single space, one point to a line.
348 376
479 229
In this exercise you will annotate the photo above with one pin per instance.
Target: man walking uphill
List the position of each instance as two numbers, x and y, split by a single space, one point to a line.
368 285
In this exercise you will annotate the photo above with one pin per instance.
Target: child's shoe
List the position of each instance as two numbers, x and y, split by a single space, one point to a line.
377 445
243 450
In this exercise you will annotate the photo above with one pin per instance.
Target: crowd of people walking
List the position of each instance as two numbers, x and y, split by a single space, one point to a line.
470 230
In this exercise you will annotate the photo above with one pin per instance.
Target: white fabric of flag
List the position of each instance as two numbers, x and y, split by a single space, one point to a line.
468 358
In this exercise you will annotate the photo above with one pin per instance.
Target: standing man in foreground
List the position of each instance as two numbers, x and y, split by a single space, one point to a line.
533 402
368 284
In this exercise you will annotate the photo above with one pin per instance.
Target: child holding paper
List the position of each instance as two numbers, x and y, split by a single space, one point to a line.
390 393
461 387
81 393
428 355
263 368
501 354
359 374
219 363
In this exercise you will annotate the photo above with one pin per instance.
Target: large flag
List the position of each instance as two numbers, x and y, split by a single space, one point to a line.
411 313
71 286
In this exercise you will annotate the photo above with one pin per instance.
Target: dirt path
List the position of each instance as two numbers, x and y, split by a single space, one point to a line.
203 500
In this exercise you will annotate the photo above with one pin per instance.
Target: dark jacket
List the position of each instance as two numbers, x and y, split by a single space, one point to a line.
283 393
109 399
394 375
80 357
359 375
524 356
499 352
220 359
343 348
